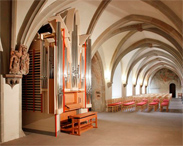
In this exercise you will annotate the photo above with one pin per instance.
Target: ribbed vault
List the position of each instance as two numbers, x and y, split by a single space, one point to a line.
150 33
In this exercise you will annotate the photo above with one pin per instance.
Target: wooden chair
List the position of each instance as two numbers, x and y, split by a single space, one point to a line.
113 105
154 104
128 104
164 103
142 105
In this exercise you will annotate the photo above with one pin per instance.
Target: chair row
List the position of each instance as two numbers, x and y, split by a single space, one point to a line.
140 101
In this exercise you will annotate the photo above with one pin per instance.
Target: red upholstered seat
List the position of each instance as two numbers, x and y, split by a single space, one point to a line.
145 100
153 103
141 103
118 102
156 100
129 103
165 100
114 104
164 103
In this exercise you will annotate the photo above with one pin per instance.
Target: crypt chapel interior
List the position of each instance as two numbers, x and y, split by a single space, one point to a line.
91 72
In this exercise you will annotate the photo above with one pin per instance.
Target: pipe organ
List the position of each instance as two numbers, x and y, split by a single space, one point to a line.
59 80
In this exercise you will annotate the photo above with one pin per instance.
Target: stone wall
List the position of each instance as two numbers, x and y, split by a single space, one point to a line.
161 81
98 84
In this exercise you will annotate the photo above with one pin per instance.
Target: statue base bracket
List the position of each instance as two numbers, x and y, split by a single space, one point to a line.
12 79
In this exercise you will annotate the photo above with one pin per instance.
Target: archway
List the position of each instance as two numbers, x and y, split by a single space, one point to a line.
98 84
172 89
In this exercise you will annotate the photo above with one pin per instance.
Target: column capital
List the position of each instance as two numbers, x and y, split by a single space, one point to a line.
109 84
124 85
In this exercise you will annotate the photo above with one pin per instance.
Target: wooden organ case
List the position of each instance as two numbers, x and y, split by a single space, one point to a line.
59 81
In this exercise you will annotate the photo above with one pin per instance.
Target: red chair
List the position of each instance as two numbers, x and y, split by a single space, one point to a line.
145 100
142 105
114 106
128 105
156 100
165 103
154 105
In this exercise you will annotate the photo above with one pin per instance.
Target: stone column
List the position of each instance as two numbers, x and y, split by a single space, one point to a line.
11 111
141 89
133 89
145 89
123 90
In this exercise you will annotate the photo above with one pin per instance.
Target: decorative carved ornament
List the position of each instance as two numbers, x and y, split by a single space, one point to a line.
12 80
19 65
19 61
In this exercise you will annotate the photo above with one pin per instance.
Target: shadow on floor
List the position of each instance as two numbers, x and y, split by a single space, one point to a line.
175 110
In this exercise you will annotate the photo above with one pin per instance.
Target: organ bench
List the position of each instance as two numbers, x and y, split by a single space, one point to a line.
83 122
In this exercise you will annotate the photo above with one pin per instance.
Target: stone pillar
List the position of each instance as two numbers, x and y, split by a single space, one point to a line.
141 89
145 89
133 89
11 111
123 90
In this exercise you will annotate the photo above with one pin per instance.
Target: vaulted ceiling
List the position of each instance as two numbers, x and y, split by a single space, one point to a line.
145 35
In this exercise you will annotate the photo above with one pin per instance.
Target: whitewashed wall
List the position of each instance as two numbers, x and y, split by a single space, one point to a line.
117 85
137 88
161 81
129 86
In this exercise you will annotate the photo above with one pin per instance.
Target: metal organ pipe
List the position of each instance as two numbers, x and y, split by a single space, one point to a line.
88 72
74 57
59 65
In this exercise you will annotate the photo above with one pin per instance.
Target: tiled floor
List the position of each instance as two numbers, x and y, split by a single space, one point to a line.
122 128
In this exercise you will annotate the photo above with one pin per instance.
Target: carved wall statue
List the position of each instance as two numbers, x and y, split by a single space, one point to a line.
24 61
19 61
